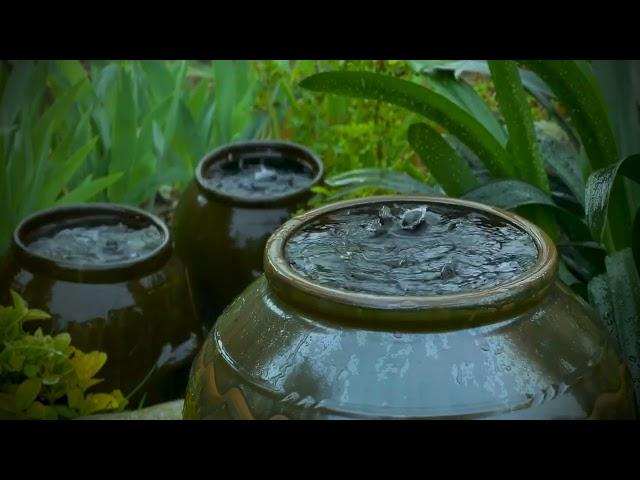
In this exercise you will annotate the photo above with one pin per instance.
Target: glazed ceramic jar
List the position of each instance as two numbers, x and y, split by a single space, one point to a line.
234 203
136 309
408 307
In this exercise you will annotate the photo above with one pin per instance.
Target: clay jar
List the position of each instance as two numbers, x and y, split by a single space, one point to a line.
292 348
138 311
220 235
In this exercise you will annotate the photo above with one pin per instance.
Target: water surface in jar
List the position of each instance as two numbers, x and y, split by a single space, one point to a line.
98 245
258 176
410 249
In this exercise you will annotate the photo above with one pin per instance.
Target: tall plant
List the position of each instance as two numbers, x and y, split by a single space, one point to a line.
39 153
597 220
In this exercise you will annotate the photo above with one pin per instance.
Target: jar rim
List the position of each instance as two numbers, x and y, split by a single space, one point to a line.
460 310
299 153
76 215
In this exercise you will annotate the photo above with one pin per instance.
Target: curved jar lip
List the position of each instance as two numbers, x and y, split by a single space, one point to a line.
293 150
438 312
51 220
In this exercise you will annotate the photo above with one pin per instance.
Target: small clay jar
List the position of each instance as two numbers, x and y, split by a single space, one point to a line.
290 347
220 236
139 311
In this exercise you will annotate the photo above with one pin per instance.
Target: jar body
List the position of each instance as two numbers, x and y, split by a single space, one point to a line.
222 244
146 323
266 359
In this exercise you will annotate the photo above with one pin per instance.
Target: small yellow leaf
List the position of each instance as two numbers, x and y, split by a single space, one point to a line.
27 392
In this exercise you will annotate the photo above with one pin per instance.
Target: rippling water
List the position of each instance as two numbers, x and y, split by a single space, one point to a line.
99 245
256 177
410 249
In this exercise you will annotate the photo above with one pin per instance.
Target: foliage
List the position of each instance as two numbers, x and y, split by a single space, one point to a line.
72 132
45 377
567 190
40 150
346 136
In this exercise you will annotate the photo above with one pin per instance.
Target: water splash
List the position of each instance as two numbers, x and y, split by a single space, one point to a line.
401 249
258 176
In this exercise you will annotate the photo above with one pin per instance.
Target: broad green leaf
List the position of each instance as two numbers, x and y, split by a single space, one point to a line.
172 118
61 176
422 101
159 77
107 78
635 235
103 123
199 99
515 194
124 134
582 98
576 88
509 194
598 191
465 96
620 85
27 392
14 93
226 97
186 142
445 164
72 70
600 299
624 284
619 81
560 155
87 191
513 104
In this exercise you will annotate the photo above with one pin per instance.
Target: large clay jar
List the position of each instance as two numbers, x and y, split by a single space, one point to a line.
138 311
292 348
220 236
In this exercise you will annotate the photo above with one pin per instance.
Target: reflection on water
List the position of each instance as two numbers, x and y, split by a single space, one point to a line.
410 249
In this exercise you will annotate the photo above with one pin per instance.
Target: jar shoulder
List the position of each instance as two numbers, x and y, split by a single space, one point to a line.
552 361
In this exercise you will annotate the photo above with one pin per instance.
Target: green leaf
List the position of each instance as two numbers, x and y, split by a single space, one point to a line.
635 235
598 191
159 77
124 133
199 99
380 178
624 284
576 88
87 191
513 104
72 70
600 299
513 194
62 175
422 101
226 97
459 67
106 80
14 93
27 392
578 91
451 171
465 96
509 194
620 86
560 155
